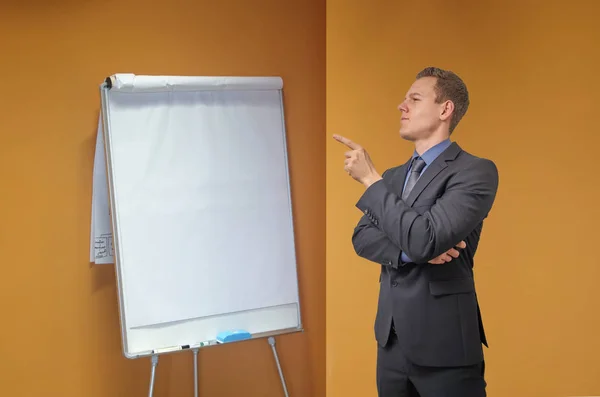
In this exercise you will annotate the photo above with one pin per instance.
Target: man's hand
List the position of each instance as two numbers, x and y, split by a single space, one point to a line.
358 164
448 255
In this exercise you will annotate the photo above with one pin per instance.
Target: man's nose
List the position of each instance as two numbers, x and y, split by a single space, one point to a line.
402 107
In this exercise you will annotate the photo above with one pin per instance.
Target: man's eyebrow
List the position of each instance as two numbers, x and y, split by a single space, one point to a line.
414 94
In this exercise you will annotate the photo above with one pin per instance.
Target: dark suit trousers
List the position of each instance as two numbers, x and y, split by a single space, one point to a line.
398 377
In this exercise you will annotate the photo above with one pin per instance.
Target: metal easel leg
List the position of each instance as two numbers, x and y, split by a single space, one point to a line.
272 343
195 372
153 374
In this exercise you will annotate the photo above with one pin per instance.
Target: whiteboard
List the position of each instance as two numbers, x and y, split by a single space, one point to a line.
200 206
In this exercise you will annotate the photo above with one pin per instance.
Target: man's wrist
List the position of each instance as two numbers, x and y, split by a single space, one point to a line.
371 180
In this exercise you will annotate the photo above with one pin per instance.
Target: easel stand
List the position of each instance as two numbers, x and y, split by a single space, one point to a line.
154 364
154 361
195 351
272 343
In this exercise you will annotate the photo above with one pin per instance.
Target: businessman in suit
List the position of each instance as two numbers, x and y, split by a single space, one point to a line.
422 222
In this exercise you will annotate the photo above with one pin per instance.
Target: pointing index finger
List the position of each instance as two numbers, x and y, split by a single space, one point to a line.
347 142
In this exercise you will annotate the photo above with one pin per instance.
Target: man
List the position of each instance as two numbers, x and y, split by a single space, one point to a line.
422 222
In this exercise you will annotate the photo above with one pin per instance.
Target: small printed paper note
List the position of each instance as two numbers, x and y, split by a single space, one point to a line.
101 236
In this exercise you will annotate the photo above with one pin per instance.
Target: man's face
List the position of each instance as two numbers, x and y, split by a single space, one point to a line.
420 113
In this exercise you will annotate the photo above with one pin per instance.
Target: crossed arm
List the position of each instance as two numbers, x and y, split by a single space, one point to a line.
373 244
389 227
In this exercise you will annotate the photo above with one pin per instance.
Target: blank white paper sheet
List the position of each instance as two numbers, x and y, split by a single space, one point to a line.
201 198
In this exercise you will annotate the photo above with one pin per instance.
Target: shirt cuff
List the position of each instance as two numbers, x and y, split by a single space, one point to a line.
404 259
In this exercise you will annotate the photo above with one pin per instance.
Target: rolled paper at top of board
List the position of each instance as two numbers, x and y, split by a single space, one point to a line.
233 336
129 82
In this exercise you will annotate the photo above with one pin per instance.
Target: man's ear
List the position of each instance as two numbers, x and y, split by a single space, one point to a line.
446 110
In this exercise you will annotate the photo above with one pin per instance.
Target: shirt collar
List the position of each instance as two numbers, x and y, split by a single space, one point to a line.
432 153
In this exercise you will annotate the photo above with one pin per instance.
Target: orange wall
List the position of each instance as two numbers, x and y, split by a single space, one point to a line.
60 332
532 72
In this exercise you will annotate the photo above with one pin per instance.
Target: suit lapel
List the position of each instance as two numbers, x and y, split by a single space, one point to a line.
403 174
400 176
432 171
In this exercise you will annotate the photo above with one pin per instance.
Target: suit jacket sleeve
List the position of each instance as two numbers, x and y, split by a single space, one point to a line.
466 202
371 243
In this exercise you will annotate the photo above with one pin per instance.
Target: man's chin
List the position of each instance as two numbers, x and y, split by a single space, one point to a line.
406 135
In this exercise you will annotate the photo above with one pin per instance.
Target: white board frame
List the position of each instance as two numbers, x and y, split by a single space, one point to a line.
200 332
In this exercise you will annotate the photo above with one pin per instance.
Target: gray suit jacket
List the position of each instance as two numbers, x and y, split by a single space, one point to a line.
434 307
